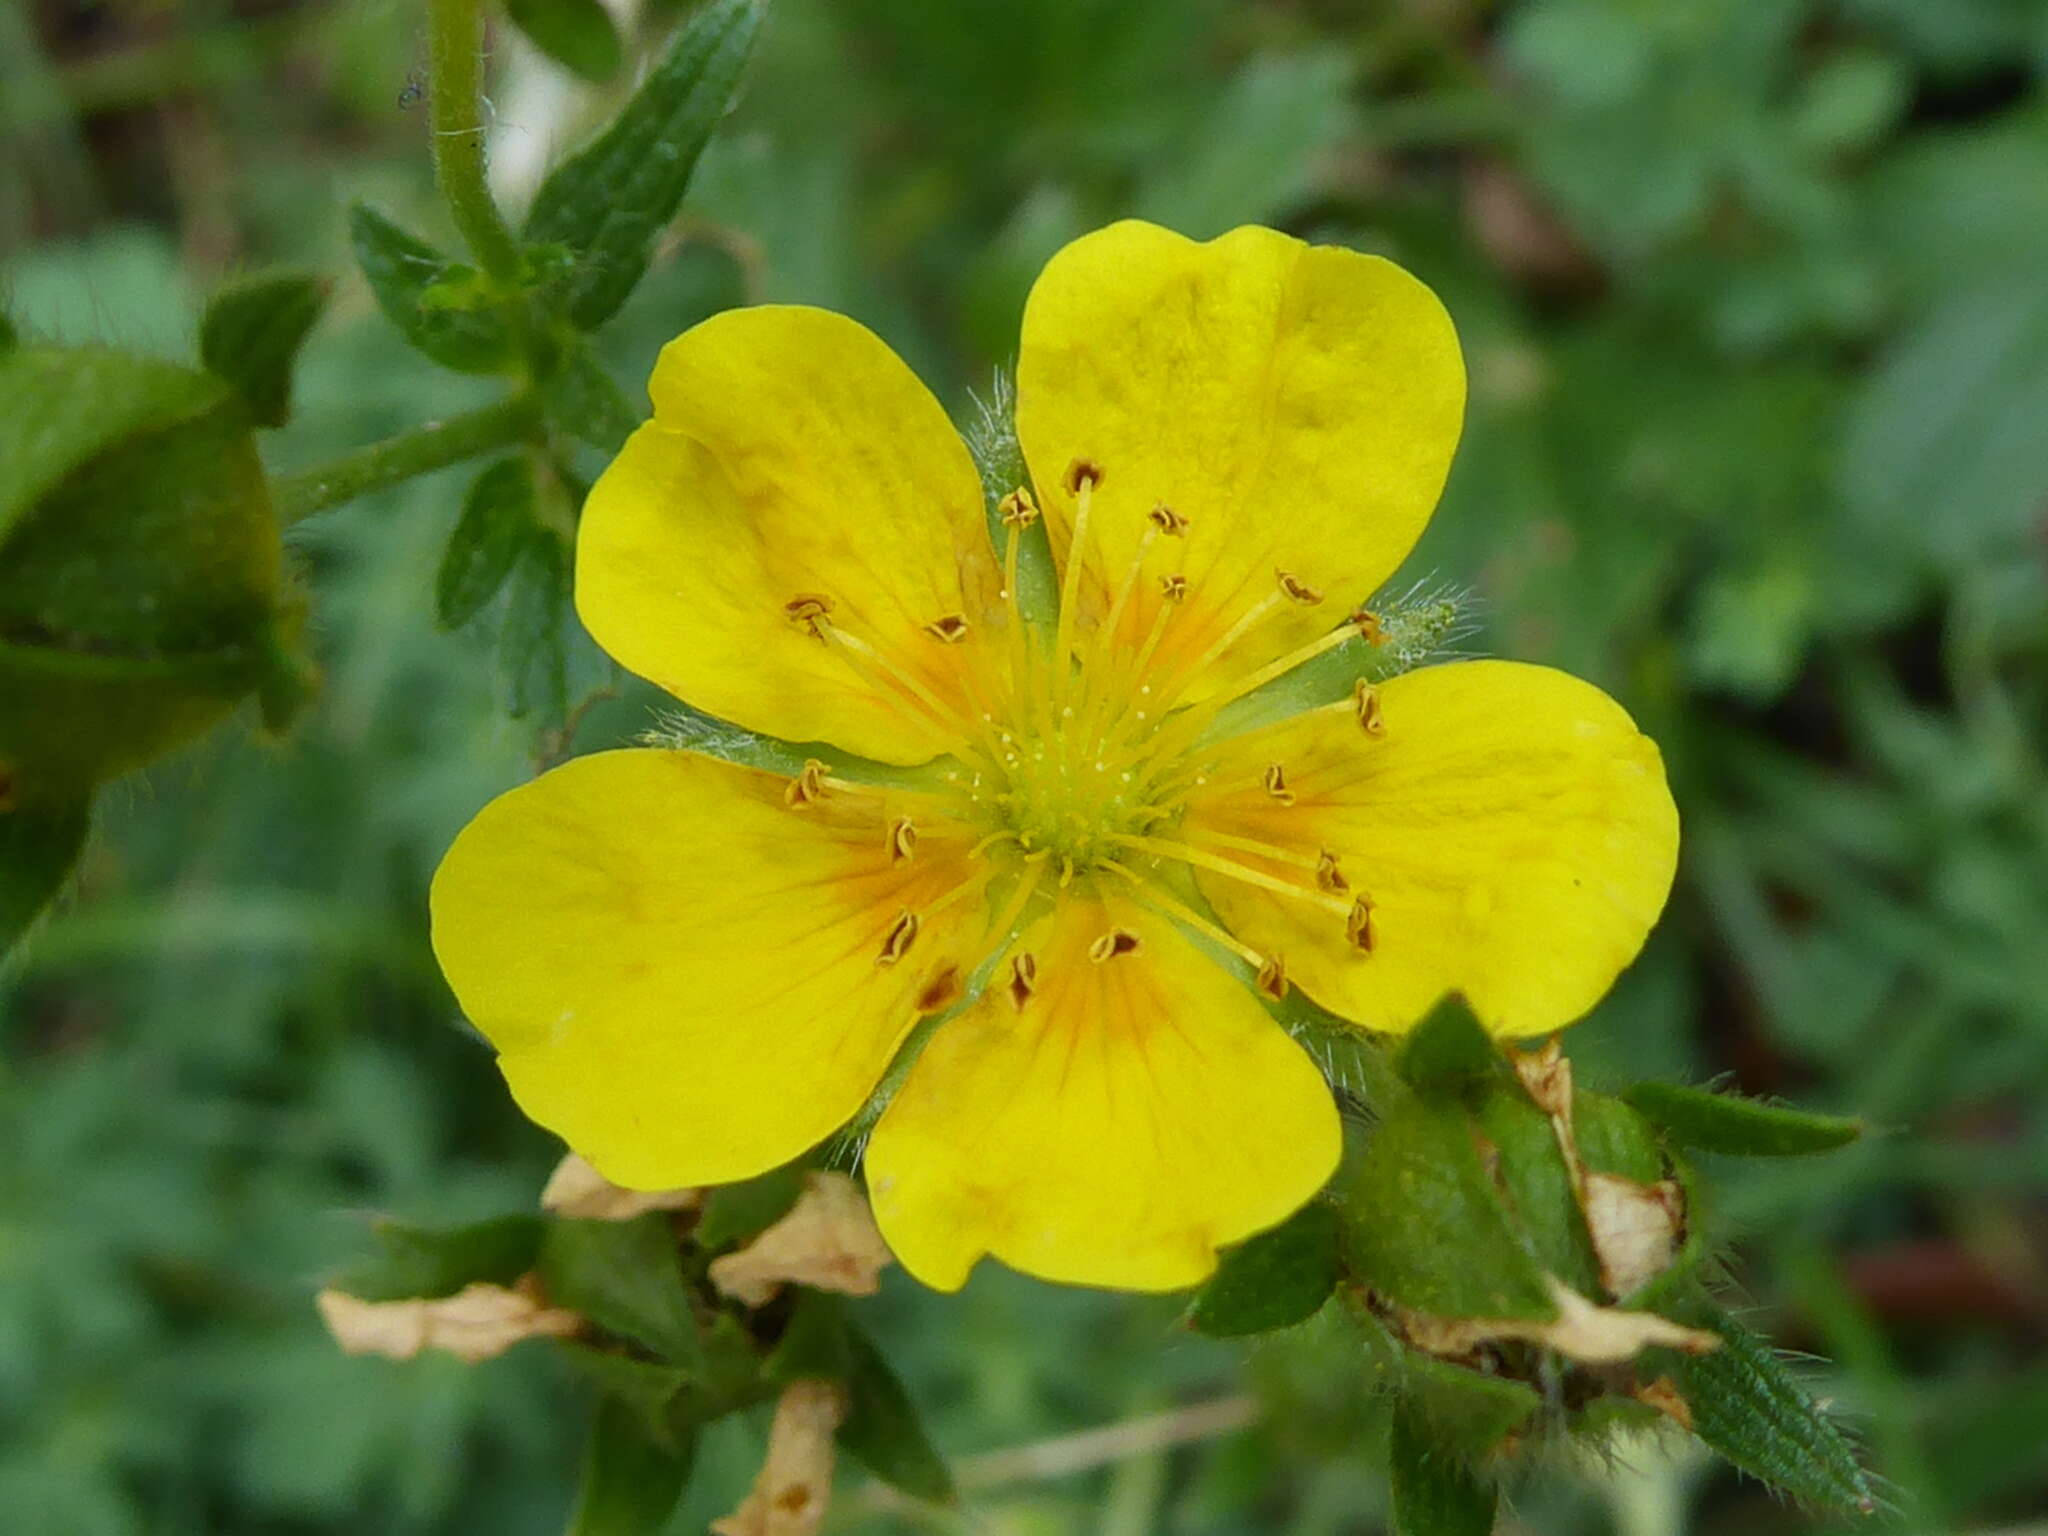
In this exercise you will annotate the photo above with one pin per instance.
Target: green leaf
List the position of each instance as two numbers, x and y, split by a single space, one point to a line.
532 647
735 1212
252 332
627 1277
1422 1223
443 309
1613 1138
608 202
648 1387
39 843
1467 1412
582 399
631 1481
577 34
1748 1406
1720 1122
1530 1170
430 1261
1277 1279
883 1429
497 523
1449 1050
9 337
1435 1491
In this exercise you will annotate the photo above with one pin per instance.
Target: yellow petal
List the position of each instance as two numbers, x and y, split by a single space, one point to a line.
1298 405
1135 1113
679 971
1509 827
793 456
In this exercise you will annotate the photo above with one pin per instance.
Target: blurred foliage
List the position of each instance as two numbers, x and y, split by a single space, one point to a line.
1755 299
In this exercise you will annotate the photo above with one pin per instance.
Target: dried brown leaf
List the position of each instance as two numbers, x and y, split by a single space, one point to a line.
794 1486
828 1241
579 1191
1582 1330
1635 1228
479 1321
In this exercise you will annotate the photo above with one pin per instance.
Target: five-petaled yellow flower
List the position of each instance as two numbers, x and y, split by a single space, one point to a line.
695 971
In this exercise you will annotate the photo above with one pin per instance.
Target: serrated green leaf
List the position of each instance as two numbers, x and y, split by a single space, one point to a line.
251 335
627 1277
608 202
1422 1223
1275 1280
1720 1122
497 524
441 308
532 645
439 1261
631 1480
577 34
1748 1406
883 1429
1435 1490
734 1212
1449 1051
39 844
584 400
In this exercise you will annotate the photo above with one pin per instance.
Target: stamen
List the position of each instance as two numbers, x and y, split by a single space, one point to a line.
949 630
1118 941
807 788
1365 702
942 990
1329 875
902 840
1275 781
1359 927
1272 978
807 610
1004 835
1168 521
1202 859
901 935
1252 845
1023 979
1152 896
1082 478
1368 625
1017 509
1174 587
1296 590
1352 628
1079 473
886 671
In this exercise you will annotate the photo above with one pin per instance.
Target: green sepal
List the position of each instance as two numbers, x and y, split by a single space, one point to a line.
427 1262
39 845
445 310
1435 1490
533 642
627 1277
1749 1407
652 1389
582 399
1537 1186
1467 1412
1422 1223
1721 1122
1275 1280
608 202
497 523
251 334
1450 1051
577 34
735 1212
1613 1138
883 1429
631 1479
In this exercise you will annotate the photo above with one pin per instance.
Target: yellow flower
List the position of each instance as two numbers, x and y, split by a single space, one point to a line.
694 971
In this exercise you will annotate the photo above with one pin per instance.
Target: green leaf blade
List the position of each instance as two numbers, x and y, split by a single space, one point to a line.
1435 1491
496 522
1720 1122
251 334
631 1481
430 1262
579 35
627 1277
39 846
1277 1279
883 1429
438 306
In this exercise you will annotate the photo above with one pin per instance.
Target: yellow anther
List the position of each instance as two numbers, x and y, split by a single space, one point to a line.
807 788
1330 877
1275 780
901 935
1174 588
1017 509
1297 590
1023 979
1359 928
1365 703
902 840
1118 941
1079 471
1272 979
1168 521
942 989
1369 627
950 630
808 611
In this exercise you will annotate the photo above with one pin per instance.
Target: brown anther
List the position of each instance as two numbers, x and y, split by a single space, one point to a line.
1275 780
902 840
1359 928
901 935
808 612
1297 590
1329 877
950 630
1017 509
1365 699
1023 979
1174 588
1369 627
1080 472
1118 941
942 989
1272 979
807 788
1168 521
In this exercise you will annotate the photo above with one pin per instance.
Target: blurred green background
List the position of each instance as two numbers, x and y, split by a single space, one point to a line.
1754 295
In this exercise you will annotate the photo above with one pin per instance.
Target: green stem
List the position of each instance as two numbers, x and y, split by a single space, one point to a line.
455 61
417 452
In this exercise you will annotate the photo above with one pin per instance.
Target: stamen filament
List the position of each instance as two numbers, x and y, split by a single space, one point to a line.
1150 894
885 670
1070 586
1186 854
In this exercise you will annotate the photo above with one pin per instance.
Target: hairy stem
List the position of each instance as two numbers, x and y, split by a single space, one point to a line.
455 61
415 452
